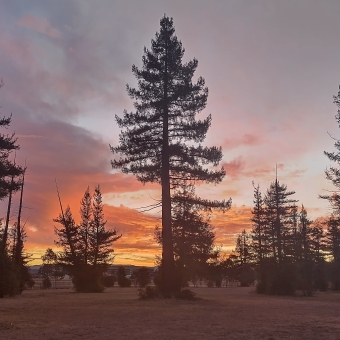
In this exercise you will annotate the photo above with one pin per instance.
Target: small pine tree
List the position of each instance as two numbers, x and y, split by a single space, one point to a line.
85 224
68 239
259 236
123 281
278 208
100 239
86 248
143 277
46 283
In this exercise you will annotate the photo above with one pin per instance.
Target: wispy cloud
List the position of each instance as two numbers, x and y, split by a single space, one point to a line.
40 25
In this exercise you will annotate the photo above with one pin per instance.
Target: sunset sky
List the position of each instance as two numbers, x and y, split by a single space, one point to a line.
272 68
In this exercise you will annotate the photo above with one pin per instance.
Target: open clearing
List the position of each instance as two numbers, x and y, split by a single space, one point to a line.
222 313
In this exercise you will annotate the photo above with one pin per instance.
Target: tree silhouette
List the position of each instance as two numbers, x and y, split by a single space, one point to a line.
287 248
158 142
193 235
100 238
13 270
278 209
259 234
86 248
85 223
10 172
68 239
333 232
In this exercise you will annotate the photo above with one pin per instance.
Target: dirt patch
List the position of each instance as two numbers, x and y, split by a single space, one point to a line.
222 313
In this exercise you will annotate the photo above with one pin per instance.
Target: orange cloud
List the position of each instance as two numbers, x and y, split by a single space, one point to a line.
77 160
231 223
137 243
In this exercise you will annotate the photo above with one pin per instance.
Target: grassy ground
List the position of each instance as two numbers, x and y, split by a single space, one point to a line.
222 313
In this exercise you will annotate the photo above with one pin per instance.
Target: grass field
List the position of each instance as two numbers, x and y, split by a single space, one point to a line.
222 313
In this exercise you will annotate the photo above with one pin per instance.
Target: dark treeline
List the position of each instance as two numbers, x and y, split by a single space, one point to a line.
14 272
285 249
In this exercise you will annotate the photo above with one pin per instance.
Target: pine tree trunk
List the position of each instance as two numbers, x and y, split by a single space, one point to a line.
278 224
168 280
18 250
4 240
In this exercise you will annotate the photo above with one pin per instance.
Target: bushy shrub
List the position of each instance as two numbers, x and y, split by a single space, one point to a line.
30 283
108 281
148 293
246 276
46 283
218 283
210 284
88 280
177 280
305 278
123 281
278 280
9 278
143 277
185 294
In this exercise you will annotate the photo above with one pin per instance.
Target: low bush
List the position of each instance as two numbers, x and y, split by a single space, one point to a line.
143 277
30 284
9 278
148 292
123 281
276 280
46 283
210 284
88 280
108 281
185 294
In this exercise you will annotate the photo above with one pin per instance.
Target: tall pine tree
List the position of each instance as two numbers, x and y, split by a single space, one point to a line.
333 175
259 235
278 209
153 139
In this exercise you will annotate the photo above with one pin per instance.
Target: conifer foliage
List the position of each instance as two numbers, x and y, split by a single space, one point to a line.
13 270
285 247
86 247
153 140
193 236
333 224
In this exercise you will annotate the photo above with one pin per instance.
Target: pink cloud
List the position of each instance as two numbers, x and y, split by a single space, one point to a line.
234 167
40 25
248 139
